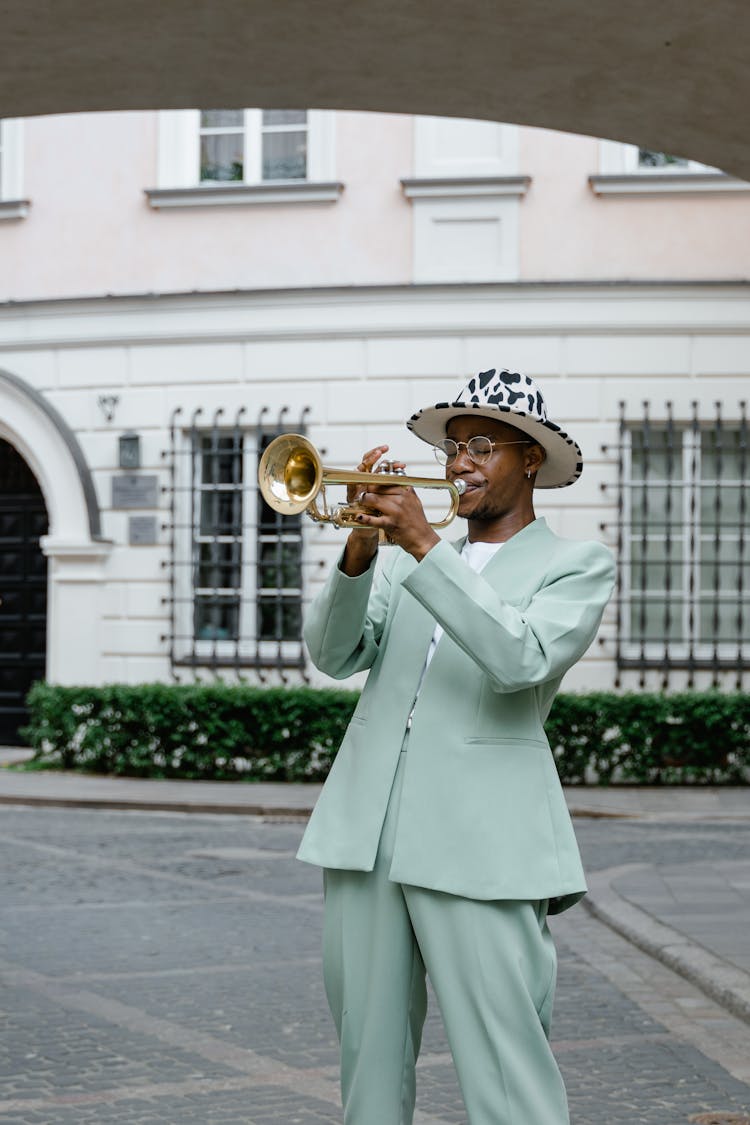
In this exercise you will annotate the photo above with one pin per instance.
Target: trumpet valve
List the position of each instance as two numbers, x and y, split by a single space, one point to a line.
389 467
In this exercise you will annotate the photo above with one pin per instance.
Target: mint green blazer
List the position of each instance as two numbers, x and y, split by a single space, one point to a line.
482 811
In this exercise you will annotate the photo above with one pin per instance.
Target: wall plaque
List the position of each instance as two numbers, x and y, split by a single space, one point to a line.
135 490
142 531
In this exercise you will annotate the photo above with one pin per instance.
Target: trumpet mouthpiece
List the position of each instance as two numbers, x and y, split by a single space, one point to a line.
460 486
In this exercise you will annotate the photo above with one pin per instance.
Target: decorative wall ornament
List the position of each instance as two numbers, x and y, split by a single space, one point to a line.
108 404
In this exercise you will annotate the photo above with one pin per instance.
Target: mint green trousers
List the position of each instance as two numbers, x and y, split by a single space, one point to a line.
492 965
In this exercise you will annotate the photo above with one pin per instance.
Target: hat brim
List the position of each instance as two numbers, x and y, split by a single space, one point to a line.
563 463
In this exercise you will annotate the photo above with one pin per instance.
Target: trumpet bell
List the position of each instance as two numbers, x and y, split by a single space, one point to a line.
290 474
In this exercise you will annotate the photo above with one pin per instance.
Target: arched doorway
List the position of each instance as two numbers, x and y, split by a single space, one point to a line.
23 589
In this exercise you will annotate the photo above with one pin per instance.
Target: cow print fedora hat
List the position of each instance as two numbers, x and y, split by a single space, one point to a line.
506 396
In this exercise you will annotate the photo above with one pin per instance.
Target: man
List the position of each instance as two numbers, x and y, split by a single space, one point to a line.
442 827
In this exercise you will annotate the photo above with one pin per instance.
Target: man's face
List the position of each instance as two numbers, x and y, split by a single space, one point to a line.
500 485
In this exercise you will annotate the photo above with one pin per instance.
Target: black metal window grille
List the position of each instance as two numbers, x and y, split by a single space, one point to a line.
236 566
684 574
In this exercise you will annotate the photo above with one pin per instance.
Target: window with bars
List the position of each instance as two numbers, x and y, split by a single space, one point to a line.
236 564
253 145
684 551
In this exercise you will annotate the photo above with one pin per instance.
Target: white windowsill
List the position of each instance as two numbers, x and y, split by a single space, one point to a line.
14 208
237 194
667 183
466 186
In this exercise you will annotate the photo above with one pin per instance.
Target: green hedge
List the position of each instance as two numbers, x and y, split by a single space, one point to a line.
212 731
291 734
648 738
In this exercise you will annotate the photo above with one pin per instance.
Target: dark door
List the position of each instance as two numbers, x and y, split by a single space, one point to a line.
23 590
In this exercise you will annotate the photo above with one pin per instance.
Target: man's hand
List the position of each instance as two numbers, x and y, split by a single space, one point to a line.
397 511
394 509
362 545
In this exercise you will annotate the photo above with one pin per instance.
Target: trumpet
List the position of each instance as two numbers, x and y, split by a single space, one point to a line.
292 479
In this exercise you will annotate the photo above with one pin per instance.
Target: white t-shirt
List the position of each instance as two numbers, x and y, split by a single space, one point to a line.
477 555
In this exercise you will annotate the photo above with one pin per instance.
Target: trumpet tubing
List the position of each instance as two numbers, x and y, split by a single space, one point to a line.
292 477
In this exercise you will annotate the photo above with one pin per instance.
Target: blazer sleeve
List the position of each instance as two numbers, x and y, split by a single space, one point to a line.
515 647
345 622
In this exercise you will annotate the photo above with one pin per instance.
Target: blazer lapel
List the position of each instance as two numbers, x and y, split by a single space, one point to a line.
512 559
416 625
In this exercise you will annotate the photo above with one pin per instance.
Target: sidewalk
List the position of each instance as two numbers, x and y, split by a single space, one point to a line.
57 788
696 921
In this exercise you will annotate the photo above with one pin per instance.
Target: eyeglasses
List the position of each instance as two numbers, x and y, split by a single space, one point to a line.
479 449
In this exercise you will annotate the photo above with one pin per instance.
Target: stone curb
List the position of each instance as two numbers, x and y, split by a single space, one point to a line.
213 806
723 982
113 805
267 800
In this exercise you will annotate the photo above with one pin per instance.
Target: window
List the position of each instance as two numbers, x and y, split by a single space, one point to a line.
685 554
279 571
216 547
237 564
216 156
637 170
621 159
647 158
253 145
12 205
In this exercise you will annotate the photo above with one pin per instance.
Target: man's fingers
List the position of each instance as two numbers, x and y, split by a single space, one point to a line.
377 492
369 519
371 457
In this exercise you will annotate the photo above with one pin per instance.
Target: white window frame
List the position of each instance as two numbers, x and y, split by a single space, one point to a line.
618 159
12 203
620 174
178 168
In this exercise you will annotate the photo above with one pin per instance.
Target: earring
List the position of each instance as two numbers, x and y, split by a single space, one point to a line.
528 473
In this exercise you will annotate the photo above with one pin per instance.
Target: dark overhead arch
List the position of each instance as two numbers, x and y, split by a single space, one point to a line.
673 75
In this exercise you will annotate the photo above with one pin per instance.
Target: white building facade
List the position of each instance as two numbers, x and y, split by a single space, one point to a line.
178 287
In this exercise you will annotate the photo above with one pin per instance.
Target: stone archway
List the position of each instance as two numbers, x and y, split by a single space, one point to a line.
73 545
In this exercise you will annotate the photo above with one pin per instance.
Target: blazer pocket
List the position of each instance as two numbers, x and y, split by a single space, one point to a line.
506 740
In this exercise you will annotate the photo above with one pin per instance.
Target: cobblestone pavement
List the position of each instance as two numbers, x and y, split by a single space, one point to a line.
165 968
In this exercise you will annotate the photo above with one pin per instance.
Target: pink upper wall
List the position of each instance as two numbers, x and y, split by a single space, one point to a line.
569 233
91 231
